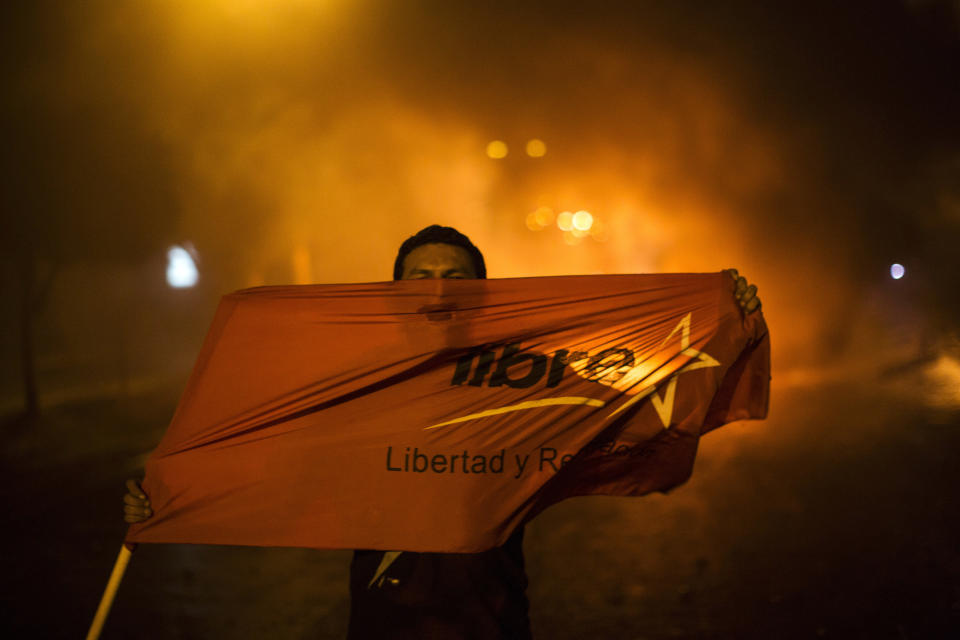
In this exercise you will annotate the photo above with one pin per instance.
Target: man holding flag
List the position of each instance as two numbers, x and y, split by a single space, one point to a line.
585 372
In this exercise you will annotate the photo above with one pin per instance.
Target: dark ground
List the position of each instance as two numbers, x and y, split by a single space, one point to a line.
835 518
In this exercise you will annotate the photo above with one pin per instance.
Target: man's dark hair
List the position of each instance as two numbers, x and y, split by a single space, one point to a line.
435 234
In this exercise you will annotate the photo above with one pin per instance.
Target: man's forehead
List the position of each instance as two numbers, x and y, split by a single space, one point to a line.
438 255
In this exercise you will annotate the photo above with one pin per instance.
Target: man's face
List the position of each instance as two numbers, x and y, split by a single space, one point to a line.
438 261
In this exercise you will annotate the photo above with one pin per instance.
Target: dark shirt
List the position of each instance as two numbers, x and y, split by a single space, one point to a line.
449 596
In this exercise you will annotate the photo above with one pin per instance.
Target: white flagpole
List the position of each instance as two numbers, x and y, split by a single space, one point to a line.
111 591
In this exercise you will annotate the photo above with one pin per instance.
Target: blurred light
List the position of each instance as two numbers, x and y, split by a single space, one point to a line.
599 231
497 149
536 148
942 382
533 223
897 271
582 220
571 238
544 216
580 233
565 220
181 269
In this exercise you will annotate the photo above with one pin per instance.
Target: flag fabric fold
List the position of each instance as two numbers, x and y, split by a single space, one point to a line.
438 415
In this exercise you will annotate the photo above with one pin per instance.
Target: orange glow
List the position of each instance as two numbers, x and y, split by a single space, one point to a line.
260 145
497 149
942 382
536 148
598 231
533 223
544 216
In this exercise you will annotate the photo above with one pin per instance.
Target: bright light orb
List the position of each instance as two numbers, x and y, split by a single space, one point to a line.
565 220
582 220
533 223
181 269
536 148
497 149
544 216
897 271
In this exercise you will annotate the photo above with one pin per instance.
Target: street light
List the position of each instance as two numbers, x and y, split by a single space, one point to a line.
181 268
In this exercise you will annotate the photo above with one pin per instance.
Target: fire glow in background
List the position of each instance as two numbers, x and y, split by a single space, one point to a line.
301 141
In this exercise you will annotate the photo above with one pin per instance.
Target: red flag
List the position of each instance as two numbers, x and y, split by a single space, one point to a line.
437 415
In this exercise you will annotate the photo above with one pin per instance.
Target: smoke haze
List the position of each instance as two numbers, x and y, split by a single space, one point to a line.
809 146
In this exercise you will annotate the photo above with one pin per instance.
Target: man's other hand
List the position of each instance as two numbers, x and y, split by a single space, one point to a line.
136 505
746 294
